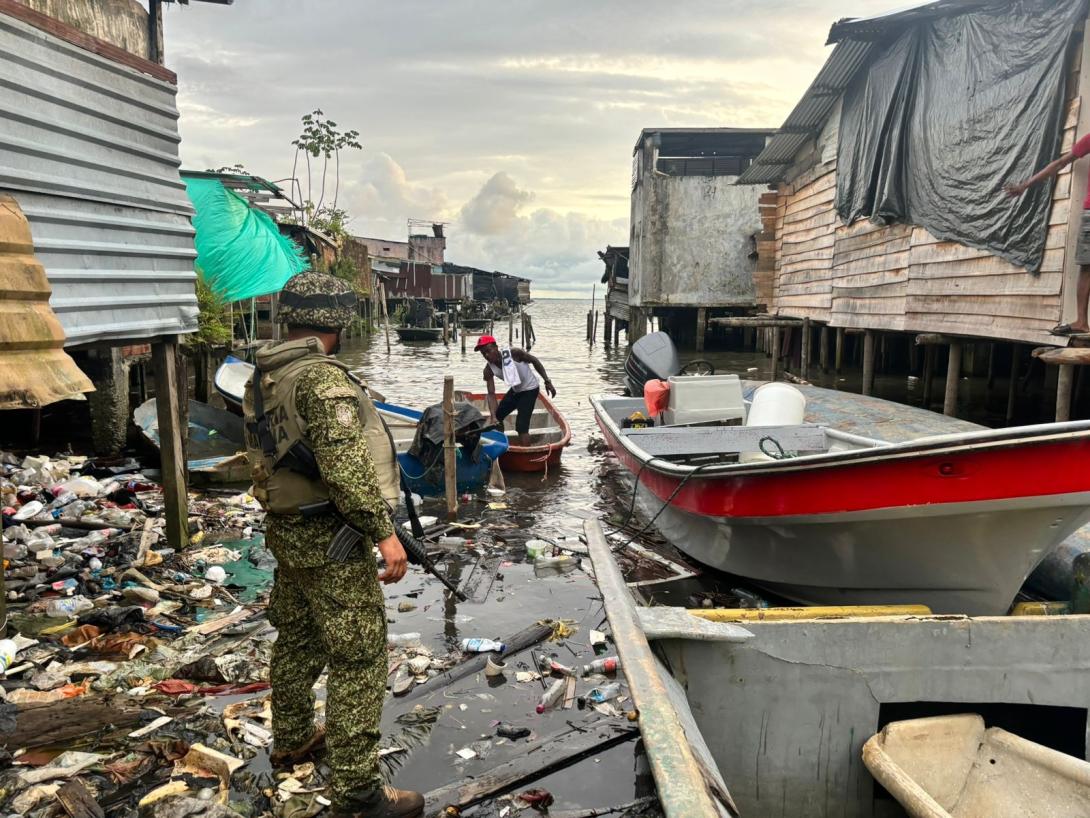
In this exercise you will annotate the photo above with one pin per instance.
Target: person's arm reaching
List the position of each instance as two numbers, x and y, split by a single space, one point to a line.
490 382
526 358
327 401
1078 151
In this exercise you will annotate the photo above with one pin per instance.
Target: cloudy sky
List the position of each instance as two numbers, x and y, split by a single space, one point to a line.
512 120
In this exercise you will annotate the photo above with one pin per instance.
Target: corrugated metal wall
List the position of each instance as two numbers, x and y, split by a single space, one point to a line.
89 148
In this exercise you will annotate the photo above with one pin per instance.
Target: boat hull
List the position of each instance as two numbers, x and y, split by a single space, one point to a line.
956 526
418 333
537 458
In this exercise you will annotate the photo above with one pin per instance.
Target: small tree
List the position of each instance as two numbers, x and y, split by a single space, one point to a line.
321 139
213 325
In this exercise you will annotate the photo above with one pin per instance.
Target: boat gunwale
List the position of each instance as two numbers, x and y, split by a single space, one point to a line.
985 439
537 448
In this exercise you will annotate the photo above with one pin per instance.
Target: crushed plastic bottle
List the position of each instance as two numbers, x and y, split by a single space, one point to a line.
604 693
482 646
607 665
68 608
61 498
547 664
403 640
452 542
14 550
29 510
748 599
551 696
553 566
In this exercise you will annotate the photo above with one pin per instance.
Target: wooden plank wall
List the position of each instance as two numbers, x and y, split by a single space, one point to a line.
901 277
765 273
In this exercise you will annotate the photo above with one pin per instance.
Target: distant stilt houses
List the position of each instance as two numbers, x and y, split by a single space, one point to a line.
890 215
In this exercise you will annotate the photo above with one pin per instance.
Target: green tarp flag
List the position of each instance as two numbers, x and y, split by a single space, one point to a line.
240 250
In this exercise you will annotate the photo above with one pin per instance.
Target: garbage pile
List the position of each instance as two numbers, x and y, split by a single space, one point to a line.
119 650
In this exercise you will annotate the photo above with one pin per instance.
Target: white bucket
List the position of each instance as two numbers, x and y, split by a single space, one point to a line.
777 404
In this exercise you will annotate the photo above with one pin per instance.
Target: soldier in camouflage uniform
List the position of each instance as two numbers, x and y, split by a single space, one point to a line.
328 613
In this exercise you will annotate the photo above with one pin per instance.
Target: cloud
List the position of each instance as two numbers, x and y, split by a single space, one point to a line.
495 207
381 199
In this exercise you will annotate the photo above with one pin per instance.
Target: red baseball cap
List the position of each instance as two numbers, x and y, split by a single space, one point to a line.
484 341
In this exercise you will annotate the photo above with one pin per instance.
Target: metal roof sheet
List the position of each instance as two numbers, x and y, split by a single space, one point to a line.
89 148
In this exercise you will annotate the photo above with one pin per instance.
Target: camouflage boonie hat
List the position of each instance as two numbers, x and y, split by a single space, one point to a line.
317 300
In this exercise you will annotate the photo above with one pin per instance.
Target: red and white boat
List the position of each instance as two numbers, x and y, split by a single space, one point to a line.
932 511
549 434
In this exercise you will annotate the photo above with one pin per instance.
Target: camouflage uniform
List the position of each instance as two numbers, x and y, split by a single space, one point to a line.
331 614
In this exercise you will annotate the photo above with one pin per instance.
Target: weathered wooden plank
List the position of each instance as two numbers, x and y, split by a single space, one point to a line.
821 213
867 284
538 759
888 262
58 722
78 801
873 251
794 240
987 285
960 262
171 451
1024 306
1075 356
683 789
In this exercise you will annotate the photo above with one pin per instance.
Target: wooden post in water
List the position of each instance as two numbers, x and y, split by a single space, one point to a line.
616 333
775 348
1012 390
590 327
450 453
446 328
1065 378
823 347
953 376
385 314
510 328
607 329
701 327
807 340
838 360
928 374
594 329
171 450
991 366
868 362
462 331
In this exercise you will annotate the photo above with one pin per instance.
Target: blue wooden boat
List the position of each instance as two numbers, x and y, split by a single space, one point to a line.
231 380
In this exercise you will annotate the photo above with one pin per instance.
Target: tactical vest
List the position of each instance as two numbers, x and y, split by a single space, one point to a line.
282 483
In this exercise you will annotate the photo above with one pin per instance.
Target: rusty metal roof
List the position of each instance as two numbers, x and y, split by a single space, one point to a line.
34 368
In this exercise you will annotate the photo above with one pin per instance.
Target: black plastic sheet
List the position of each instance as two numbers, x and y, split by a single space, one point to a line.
950 110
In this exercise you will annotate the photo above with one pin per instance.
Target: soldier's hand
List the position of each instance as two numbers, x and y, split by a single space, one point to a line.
394 557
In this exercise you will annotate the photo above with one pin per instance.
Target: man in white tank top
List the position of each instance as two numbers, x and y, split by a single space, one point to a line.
513 368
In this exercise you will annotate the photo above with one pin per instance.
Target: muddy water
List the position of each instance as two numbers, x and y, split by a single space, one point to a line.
506 595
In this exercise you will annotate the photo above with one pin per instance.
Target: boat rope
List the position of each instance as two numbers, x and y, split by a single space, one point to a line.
670 499
779 454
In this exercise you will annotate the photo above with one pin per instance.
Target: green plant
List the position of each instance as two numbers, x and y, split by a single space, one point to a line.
213 322
321 139
238 169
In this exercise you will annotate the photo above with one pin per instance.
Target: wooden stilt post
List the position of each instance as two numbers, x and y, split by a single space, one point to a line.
838 358
616 333
868 362
913 358
450 453
1012 390
807 340
385 315
171 450
446 328
953 377
775 351
462 331
928 374
607 330
1065 377
823 347
701 327
593 334
510 328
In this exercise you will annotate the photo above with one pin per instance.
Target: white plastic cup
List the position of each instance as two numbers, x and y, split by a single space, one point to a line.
494 667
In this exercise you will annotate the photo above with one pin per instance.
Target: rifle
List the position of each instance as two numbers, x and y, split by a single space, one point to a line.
348 539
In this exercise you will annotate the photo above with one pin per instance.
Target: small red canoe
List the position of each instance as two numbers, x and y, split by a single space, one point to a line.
549 434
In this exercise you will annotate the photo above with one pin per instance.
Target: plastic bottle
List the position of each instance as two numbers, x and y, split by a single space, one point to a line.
748 599
607 665
604 693
547 664
8 649
482 646
61 498
403 640
68 608
28 510
551 696
14 550
452 542
545 566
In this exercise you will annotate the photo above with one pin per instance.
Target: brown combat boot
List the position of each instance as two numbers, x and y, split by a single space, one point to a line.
386 803
287 758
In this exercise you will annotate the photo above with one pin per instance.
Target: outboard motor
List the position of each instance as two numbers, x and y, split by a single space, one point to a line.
652 356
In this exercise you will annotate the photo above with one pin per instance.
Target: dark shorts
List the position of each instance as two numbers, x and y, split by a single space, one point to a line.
1082 249
523 403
